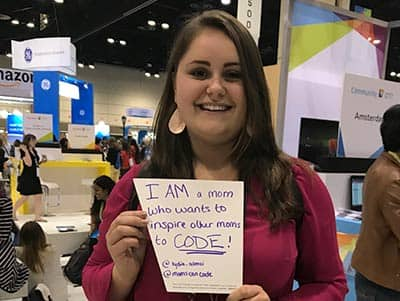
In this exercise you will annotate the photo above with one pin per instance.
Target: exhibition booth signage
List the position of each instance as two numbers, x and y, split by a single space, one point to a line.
364 102
53 54
324 44
16 83
40 125
46 89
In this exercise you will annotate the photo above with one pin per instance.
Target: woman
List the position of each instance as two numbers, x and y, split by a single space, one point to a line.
102 187
29 181
42 260
13 274
214 123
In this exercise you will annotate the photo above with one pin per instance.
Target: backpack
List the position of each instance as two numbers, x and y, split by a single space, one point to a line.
39 293
74 267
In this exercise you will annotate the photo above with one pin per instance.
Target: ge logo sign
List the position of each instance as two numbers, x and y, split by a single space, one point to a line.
82 112
45 84
28 55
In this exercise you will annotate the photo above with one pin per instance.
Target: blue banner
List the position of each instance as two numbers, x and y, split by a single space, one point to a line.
15 128
82 109
46 96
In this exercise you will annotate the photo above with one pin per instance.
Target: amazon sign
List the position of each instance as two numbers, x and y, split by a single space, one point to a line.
16 83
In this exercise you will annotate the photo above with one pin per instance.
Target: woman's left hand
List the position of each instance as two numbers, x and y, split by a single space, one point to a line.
248 293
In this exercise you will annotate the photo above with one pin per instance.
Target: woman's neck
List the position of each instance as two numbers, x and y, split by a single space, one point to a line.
213 162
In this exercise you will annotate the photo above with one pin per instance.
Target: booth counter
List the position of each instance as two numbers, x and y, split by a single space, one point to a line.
74 180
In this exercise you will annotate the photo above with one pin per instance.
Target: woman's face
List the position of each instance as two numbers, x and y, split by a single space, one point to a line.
32 142
208 89
100 193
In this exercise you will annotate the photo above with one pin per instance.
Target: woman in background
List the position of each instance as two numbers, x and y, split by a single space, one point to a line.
13 274
102 187
42 260
29 181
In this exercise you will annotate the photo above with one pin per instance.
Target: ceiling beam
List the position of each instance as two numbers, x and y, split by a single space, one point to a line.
122 16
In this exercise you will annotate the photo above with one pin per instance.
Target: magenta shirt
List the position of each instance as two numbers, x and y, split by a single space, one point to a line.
272 260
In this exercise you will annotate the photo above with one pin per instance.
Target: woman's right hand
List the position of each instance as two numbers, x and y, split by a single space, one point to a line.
126 243
23 147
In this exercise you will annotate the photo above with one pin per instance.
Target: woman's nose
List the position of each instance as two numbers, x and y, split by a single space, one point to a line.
216 88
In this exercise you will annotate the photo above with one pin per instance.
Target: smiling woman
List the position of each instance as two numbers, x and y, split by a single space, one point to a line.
214 123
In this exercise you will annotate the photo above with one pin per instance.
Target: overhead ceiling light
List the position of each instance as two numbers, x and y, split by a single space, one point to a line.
151 23
122 42
81 65
226 2
398 75
393 73
147 74
9 55
4 17
59 1
91 66
110 40
156 75
15 22
165 26
30 24
376 42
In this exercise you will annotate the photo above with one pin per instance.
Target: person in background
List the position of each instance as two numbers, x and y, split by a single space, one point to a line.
214 123
42 260
146 149
134 151
113 156
102 187
64 144
13 274
29 181
376 257
7 146
97 146
3 158
127 159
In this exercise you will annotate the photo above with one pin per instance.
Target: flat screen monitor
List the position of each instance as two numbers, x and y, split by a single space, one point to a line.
356 189
318 138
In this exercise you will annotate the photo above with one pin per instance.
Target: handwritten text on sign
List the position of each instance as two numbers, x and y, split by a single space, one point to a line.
196 228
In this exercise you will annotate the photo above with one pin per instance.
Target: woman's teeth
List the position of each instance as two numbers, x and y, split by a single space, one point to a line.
214 108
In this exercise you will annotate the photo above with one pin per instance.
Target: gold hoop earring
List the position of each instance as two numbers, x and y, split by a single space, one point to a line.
175 125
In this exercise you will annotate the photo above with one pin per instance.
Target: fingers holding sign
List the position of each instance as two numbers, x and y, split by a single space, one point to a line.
126 241
248 293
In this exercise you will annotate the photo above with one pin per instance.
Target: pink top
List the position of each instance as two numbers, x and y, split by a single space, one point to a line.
271 259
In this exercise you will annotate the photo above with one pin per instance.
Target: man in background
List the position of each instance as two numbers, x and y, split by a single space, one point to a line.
376 257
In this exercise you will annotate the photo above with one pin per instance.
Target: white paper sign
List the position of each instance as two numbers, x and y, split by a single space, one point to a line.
81 136
196 229
40 125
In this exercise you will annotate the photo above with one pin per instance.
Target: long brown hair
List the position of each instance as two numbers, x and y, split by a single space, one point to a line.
255 152
28 138
33 242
